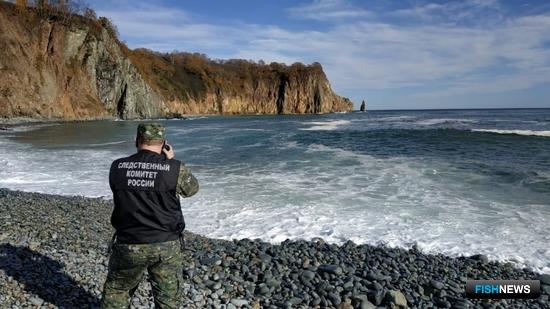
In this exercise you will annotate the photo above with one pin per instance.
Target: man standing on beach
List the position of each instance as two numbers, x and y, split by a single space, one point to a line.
148 221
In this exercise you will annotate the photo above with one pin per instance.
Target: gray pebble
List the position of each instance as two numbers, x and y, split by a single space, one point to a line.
239 302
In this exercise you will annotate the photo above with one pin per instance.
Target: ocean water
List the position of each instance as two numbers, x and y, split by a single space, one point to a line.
455 182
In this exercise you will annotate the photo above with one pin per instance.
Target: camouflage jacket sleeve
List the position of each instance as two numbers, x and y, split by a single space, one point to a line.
187 183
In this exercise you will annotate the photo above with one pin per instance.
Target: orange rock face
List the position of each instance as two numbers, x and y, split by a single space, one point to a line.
74 68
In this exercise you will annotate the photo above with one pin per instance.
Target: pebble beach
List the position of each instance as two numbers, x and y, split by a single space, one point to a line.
53 254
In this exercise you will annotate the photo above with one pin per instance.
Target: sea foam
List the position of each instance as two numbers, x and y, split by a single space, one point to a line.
292 178
516 132
324 125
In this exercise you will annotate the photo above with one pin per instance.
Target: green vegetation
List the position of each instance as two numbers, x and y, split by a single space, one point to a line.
183 76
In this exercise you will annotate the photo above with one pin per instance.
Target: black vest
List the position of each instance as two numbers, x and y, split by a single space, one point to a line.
147 209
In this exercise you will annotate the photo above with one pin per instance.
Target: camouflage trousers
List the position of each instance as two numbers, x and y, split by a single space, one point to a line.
127 266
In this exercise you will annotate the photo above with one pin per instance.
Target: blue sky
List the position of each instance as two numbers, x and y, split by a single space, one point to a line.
408 54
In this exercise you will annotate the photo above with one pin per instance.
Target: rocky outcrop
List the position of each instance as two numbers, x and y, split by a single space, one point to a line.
71 70
237 86
77 69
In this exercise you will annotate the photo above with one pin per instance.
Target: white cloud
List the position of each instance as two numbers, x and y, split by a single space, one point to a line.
362 55
328 10
476 84
453 11
145 12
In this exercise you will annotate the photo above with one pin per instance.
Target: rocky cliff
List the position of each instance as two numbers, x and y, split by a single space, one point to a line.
192 83
76 68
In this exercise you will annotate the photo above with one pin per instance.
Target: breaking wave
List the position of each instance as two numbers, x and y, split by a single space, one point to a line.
516 132
325 125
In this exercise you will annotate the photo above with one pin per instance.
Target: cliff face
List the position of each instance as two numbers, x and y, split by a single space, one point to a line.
192 83
78 70
68 70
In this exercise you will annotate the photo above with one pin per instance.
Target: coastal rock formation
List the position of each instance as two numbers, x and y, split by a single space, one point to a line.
192 84
76 68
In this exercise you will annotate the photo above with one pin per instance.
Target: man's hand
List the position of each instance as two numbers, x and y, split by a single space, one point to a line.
168 153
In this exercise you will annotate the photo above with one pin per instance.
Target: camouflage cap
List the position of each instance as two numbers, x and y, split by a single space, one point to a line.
151 131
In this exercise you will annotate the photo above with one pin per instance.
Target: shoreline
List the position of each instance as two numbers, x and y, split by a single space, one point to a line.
19 121
16 121
29 120
53 251
7 123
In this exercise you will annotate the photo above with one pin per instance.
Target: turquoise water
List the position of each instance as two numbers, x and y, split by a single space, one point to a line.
455 182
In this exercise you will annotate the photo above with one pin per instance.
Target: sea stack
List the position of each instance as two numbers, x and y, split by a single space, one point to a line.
363 106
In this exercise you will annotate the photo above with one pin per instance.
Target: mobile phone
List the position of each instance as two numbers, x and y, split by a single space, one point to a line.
165 146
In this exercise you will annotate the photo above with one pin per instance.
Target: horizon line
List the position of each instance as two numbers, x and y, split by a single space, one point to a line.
443 109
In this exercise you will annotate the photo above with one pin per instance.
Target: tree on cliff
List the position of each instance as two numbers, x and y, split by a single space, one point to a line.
42 6
21 5
89 13
109 25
